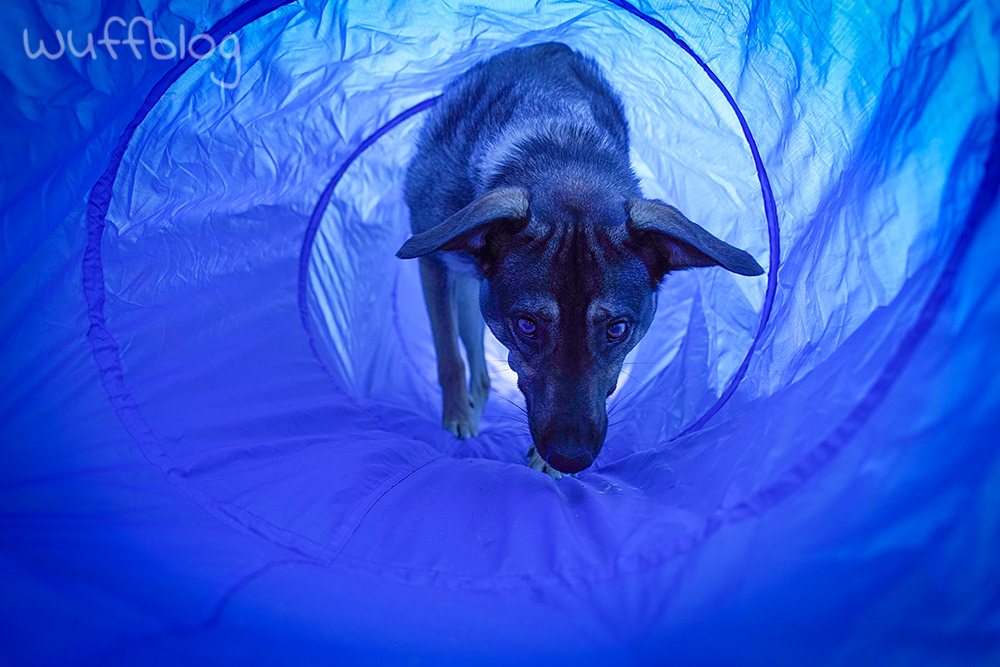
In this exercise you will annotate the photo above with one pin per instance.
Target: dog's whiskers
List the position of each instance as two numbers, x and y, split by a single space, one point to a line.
512 403
622 399
515 418
623 420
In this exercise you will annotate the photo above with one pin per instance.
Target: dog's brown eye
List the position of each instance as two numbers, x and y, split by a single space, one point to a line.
616 330
527 327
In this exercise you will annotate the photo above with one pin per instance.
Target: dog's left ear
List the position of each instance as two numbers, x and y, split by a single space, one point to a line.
667 241
467 230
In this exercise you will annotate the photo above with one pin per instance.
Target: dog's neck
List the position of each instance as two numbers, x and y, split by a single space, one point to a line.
552 151
576 199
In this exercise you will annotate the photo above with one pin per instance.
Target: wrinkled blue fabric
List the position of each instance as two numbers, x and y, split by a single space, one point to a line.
219 410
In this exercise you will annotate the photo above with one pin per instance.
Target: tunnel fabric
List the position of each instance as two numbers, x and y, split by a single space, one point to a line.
220 404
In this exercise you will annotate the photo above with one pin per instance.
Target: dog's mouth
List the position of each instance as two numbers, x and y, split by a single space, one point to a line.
567 458
536 462
569 463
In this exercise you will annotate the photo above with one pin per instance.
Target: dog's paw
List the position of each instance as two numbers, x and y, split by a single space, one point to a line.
536 462
463 430
460 418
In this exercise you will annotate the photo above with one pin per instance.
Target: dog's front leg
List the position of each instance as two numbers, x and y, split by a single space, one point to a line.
471 328
439 295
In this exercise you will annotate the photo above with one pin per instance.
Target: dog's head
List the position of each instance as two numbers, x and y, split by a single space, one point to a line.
569 287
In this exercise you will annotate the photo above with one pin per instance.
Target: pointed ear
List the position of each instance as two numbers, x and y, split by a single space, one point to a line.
467 229
668 241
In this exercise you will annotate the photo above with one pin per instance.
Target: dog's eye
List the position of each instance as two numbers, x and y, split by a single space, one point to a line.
617 330
527 327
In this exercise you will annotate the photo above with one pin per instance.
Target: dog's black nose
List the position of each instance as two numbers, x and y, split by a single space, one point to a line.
570 447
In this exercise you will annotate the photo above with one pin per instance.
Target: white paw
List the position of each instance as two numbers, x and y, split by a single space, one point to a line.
461 429
460 418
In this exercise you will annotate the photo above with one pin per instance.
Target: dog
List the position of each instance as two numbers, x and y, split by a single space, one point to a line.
527 217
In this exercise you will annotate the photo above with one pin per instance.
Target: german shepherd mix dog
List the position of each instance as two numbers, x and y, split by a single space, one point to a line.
524 206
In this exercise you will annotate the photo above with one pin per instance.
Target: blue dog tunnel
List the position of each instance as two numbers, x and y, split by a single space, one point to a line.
220 416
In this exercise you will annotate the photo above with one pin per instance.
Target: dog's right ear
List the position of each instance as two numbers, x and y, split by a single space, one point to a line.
467 230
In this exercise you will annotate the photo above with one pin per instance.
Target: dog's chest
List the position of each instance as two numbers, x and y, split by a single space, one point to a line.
459 263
